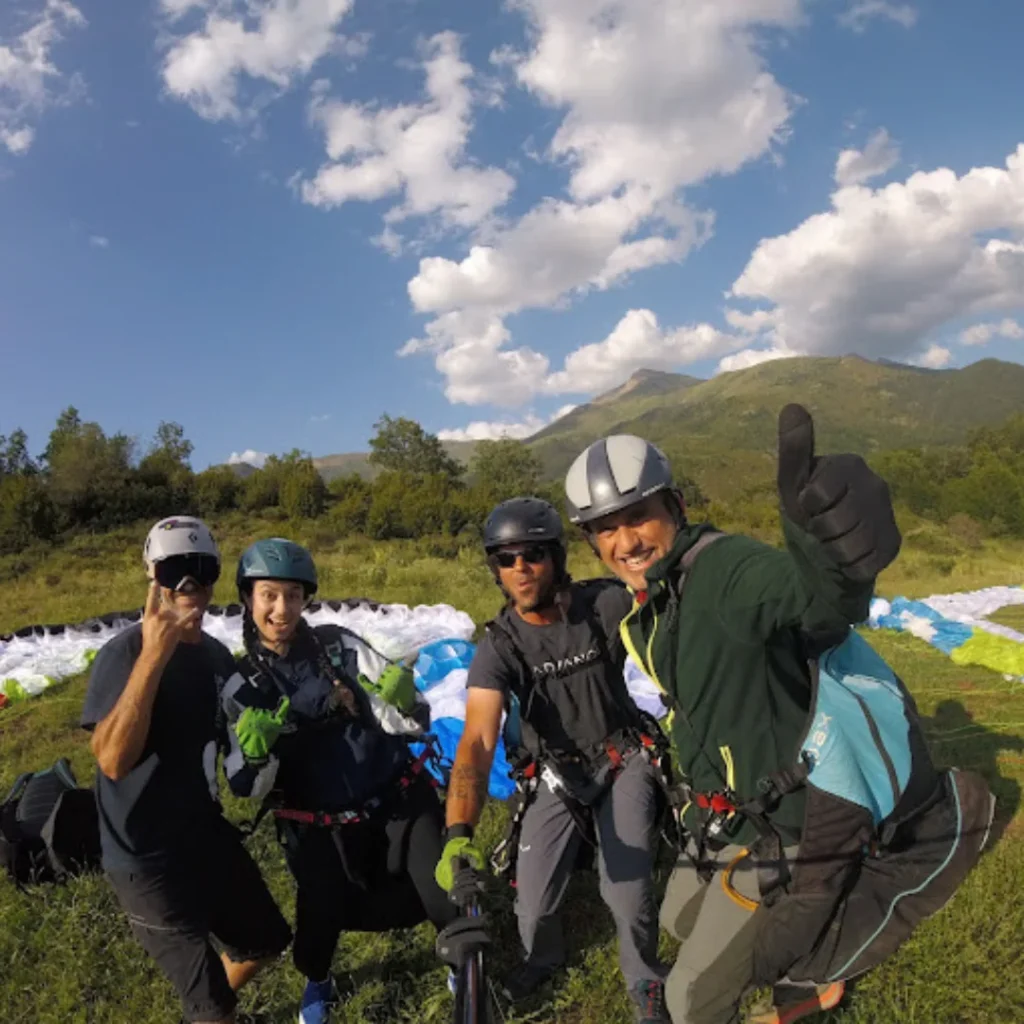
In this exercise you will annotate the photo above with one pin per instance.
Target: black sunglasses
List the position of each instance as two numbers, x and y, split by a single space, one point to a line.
534 554
187 574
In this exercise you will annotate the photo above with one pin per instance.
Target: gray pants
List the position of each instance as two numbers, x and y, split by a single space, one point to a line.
714 967
548 846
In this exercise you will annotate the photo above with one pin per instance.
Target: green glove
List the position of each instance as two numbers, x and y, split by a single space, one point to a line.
459 846
257 730
396 686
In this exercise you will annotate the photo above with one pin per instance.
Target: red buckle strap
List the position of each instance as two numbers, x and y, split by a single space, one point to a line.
718 803
613 755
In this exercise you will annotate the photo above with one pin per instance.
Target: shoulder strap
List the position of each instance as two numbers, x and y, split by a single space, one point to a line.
508 650
18 789
703 541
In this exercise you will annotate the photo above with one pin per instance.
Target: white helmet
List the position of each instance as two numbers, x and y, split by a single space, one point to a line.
612 474
178 535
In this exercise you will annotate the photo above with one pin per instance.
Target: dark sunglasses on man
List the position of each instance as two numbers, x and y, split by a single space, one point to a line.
535 554
187 574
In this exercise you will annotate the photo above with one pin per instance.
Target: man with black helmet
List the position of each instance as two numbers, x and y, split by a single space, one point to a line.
552 660
178 867
726 625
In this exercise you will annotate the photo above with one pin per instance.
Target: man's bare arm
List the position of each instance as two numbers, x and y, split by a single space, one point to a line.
119 739
467 790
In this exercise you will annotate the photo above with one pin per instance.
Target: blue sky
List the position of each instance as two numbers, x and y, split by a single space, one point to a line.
237 215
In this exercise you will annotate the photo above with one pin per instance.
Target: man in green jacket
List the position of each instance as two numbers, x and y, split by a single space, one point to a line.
730 650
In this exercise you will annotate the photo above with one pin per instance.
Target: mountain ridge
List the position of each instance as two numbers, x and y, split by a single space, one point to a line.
859 405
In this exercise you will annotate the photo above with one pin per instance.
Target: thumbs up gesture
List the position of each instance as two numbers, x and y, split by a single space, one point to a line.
837 499
258 730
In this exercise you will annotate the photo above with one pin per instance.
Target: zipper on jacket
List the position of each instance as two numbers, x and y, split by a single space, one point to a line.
877 737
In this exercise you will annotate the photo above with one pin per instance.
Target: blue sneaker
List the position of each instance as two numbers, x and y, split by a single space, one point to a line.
317 1001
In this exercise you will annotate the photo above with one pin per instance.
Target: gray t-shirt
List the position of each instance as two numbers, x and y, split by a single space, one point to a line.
566 676
165 804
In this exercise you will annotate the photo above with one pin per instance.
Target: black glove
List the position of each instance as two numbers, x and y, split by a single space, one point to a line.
835 498
460 939
467 885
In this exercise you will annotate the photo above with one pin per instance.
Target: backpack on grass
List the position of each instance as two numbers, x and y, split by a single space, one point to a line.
49 827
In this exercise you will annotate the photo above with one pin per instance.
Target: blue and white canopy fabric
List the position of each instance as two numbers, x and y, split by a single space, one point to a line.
441 672
958 625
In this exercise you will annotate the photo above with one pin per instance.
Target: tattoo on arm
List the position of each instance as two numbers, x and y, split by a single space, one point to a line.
468 783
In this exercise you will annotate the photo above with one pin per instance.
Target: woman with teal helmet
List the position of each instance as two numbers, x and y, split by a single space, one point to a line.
319 723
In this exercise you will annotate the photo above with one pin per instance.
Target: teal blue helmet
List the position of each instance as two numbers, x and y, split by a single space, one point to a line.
276 559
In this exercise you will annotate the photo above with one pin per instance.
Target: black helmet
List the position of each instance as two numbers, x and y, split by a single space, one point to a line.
612 474
521 520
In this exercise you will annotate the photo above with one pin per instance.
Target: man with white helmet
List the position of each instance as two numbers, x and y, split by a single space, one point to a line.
724 632
820 833
178 866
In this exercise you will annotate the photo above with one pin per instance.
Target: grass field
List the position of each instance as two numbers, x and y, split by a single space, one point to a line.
68 955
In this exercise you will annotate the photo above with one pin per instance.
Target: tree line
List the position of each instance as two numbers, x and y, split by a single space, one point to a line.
87 480
976 488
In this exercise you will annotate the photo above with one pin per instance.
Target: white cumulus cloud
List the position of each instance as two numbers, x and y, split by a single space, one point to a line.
855 166
748 357
982 334
653 96
270 42
416 150
860 13
656 93
637 341
493 430
249 456
882 269
30 81
935 357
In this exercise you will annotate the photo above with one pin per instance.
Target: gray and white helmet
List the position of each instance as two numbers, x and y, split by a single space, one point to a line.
612 474
178 535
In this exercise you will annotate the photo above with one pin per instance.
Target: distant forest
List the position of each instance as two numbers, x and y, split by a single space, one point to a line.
86 480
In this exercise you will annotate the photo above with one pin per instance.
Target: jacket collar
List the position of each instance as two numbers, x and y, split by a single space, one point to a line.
665 570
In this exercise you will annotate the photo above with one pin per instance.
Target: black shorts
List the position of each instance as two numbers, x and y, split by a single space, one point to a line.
216 894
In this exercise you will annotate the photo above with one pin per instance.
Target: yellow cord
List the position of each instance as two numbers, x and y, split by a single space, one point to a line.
736 897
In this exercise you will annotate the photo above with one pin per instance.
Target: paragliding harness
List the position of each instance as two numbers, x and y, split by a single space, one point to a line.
882 828
49 827
533 762
292 821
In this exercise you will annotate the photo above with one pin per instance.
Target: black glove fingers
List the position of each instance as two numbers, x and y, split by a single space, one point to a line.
834 476
796 458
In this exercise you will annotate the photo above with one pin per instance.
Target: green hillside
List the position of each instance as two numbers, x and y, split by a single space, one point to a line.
724 428
858 405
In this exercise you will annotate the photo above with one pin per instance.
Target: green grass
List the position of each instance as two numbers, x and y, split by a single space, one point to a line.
1012 616
69 957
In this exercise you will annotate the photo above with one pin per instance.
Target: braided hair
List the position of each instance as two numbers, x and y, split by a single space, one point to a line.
342 699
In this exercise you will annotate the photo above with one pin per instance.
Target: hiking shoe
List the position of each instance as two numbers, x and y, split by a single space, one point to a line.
648 998
317 1002
522 981
794 1002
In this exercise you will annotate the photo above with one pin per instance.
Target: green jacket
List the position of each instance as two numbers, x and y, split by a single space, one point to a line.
728 654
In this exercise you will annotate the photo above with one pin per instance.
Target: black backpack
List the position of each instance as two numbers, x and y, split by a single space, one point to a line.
49 827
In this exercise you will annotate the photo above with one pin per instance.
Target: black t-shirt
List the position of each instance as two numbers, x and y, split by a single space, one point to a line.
162 807
576 696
